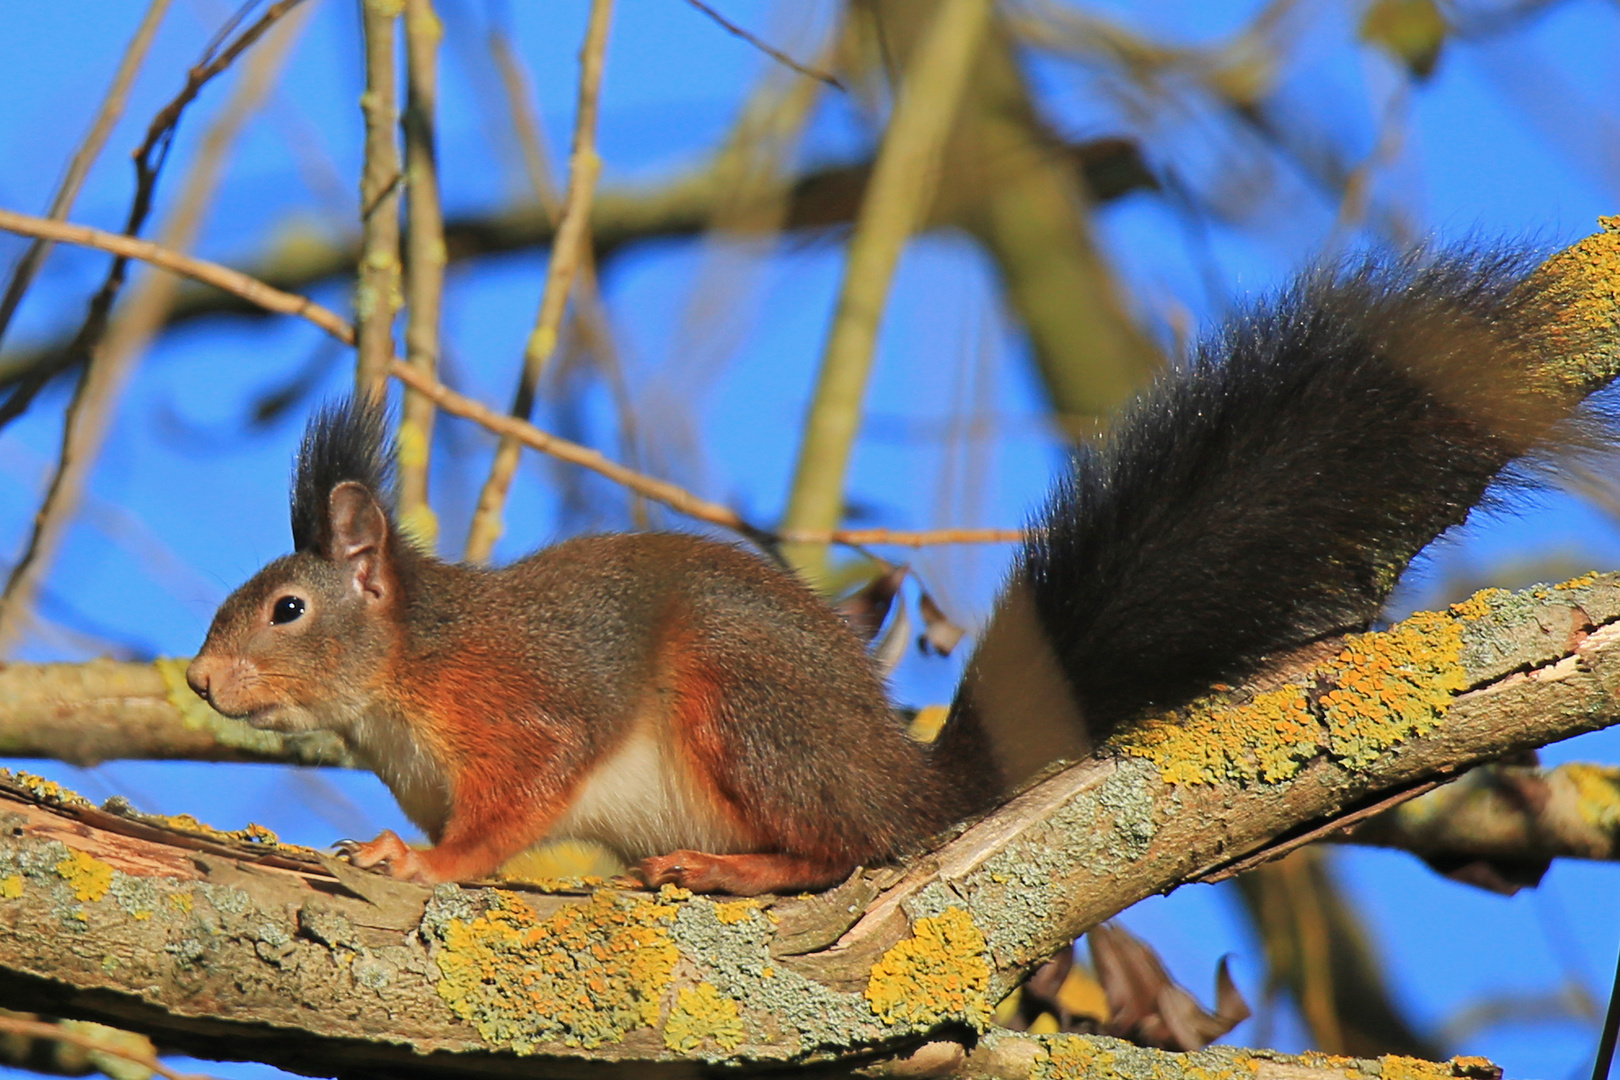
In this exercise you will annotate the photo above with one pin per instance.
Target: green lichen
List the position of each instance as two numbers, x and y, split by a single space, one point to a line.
585 976
89 876
939 973
703 1012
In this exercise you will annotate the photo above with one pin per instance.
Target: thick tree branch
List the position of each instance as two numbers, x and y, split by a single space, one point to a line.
232 945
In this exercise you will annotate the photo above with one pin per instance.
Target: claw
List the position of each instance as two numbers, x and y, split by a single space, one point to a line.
345 849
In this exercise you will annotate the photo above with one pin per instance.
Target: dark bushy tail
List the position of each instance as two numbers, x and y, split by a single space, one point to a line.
1270 492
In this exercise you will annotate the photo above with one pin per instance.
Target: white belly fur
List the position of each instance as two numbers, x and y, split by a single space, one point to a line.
641 801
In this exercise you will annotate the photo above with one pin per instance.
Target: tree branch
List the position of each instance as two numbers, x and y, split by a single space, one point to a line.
226 945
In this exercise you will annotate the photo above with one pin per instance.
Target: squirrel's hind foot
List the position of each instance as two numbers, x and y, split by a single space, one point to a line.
740 875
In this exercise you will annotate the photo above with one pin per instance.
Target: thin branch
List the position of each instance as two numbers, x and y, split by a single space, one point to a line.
424 264
35 1029
590 318
902 188
817 201
112 107
90 413
572 238
775 54
377 286
249 289
1506 812
149 161
676 498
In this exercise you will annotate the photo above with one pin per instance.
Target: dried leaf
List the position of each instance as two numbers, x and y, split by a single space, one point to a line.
939 633
866 608
1149 1008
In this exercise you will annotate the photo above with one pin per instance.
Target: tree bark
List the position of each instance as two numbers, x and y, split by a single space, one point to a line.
230 945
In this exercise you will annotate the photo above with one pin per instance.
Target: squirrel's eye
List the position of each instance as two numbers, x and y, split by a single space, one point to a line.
286 610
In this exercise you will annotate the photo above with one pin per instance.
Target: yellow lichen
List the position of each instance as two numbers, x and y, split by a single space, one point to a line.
1479 605
89 876
703 1012
181 901
251 833
1397 1067
1074 1058
1597 793
11 886
936 974
1391 686
1573 583
48 791
585 976
736 911
1381 689
1267 737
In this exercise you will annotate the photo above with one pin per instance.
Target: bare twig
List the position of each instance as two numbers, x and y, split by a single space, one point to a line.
377 291
149 160
902 188
590 319
682 208
775 54
572 237
90 412
424 264
221 277
667 494
36 1029
112 107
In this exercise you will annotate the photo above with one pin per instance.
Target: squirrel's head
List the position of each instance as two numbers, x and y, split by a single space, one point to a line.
304 643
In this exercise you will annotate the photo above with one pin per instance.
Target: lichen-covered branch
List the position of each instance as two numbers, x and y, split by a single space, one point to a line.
233 945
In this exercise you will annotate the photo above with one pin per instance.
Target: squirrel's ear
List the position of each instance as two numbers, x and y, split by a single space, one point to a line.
359 535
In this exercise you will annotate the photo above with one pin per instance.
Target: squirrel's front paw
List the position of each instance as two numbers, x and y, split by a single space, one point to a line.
388 853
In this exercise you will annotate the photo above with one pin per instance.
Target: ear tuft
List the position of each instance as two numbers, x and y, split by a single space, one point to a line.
346 442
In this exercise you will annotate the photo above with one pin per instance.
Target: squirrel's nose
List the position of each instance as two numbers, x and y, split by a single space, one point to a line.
198 676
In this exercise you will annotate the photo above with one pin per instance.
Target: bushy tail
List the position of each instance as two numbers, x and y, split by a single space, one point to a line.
1272 490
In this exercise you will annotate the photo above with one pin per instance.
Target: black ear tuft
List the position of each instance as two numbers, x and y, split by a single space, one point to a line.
345 440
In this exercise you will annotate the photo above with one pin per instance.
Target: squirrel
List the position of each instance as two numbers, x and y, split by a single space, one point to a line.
705 715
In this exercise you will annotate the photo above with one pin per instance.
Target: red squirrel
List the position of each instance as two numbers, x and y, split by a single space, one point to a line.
702 713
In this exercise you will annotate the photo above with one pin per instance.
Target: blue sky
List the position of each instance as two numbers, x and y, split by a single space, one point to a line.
1513 137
